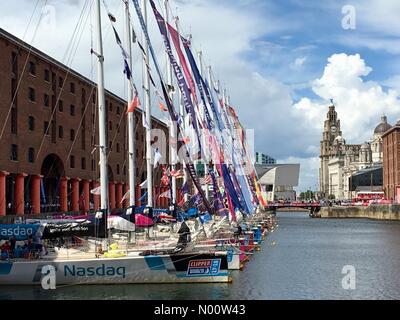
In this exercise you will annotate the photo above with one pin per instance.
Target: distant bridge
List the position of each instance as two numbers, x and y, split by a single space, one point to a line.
314 208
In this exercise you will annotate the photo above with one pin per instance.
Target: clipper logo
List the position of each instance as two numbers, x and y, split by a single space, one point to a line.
204 267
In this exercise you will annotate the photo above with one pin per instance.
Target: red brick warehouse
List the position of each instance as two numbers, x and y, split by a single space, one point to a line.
391 163
49 129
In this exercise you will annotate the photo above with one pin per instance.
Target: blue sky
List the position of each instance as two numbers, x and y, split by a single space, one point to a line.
281 62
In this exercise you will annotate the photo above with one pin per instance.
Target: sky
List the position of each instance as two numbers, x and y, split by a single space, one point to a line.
280 61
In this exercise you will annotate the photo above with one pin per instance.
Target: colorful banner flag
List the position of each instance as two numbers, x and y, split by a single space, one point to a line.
134 104
143 185
96 191
166 194
182 84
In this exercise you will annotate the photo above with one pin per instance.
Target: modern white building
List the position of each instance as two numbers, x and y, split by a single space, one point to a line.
278 181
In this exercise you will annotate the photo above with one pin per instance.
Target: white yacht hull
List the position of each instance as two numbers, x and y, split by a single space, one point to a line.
185 268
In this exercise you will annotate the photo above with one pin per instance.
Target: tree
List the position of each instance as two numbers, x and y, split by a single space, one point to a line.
308 195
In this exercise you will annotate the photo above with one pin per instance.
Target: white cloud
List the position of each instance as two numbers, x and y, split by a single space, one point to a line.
359 103
228 35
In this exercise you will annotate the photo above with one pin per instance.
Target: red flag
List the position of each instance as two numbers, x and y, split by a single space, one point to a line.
163 107
186 140
207 179
177 173
133 105
165 178
182 202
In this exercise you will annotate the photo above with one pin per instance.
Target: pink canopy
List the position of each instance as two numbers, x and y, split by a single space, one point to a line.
143 221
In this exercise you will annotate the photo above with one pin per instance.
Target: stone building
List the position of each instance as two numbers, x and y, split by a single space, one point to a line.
49 133
339 160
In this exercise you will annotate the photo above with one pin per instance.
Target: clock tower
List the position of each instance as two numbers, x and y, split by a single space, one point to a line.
331 132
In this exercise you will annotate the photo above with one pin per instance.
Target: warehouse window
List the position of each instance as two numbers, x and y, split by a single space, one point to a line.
72 162
14 126
32 95
72 134
83 163
83 96
46 128
31 123
31 155
60 132
60 106
14 61
46 100
72 110
14 152
72 87
32 68
46 75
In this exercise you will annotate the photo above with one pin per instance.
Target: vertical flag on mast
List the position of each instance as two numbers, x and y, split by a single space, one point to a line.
133 105
183 86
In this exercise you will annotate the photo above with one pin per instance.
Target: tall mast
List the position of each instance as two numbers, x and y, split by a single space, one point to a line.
200 57
211 85
146 87
172 128
104 206
131 115
182 114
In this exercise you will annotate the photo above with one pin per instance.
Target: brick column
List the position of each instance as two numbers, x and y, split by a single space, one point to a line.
35 193
96 197
86 194
3 176
19 190
126 201
138 195
111 197
64 194
119 195
75 194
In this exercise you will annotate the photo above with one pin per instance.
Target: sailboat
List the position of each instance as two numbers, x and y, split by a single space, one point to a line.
187 94
78 266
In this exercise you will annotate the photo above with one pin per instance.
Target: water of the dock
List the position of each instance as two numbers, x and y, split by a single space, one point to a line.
302 259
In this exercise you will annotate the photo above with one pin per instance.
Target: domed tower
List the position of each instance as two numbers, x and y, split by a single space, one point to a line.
377 143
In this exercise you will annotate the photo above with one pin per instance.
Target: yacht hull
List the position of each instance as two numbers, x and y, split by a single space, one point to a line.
180 268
